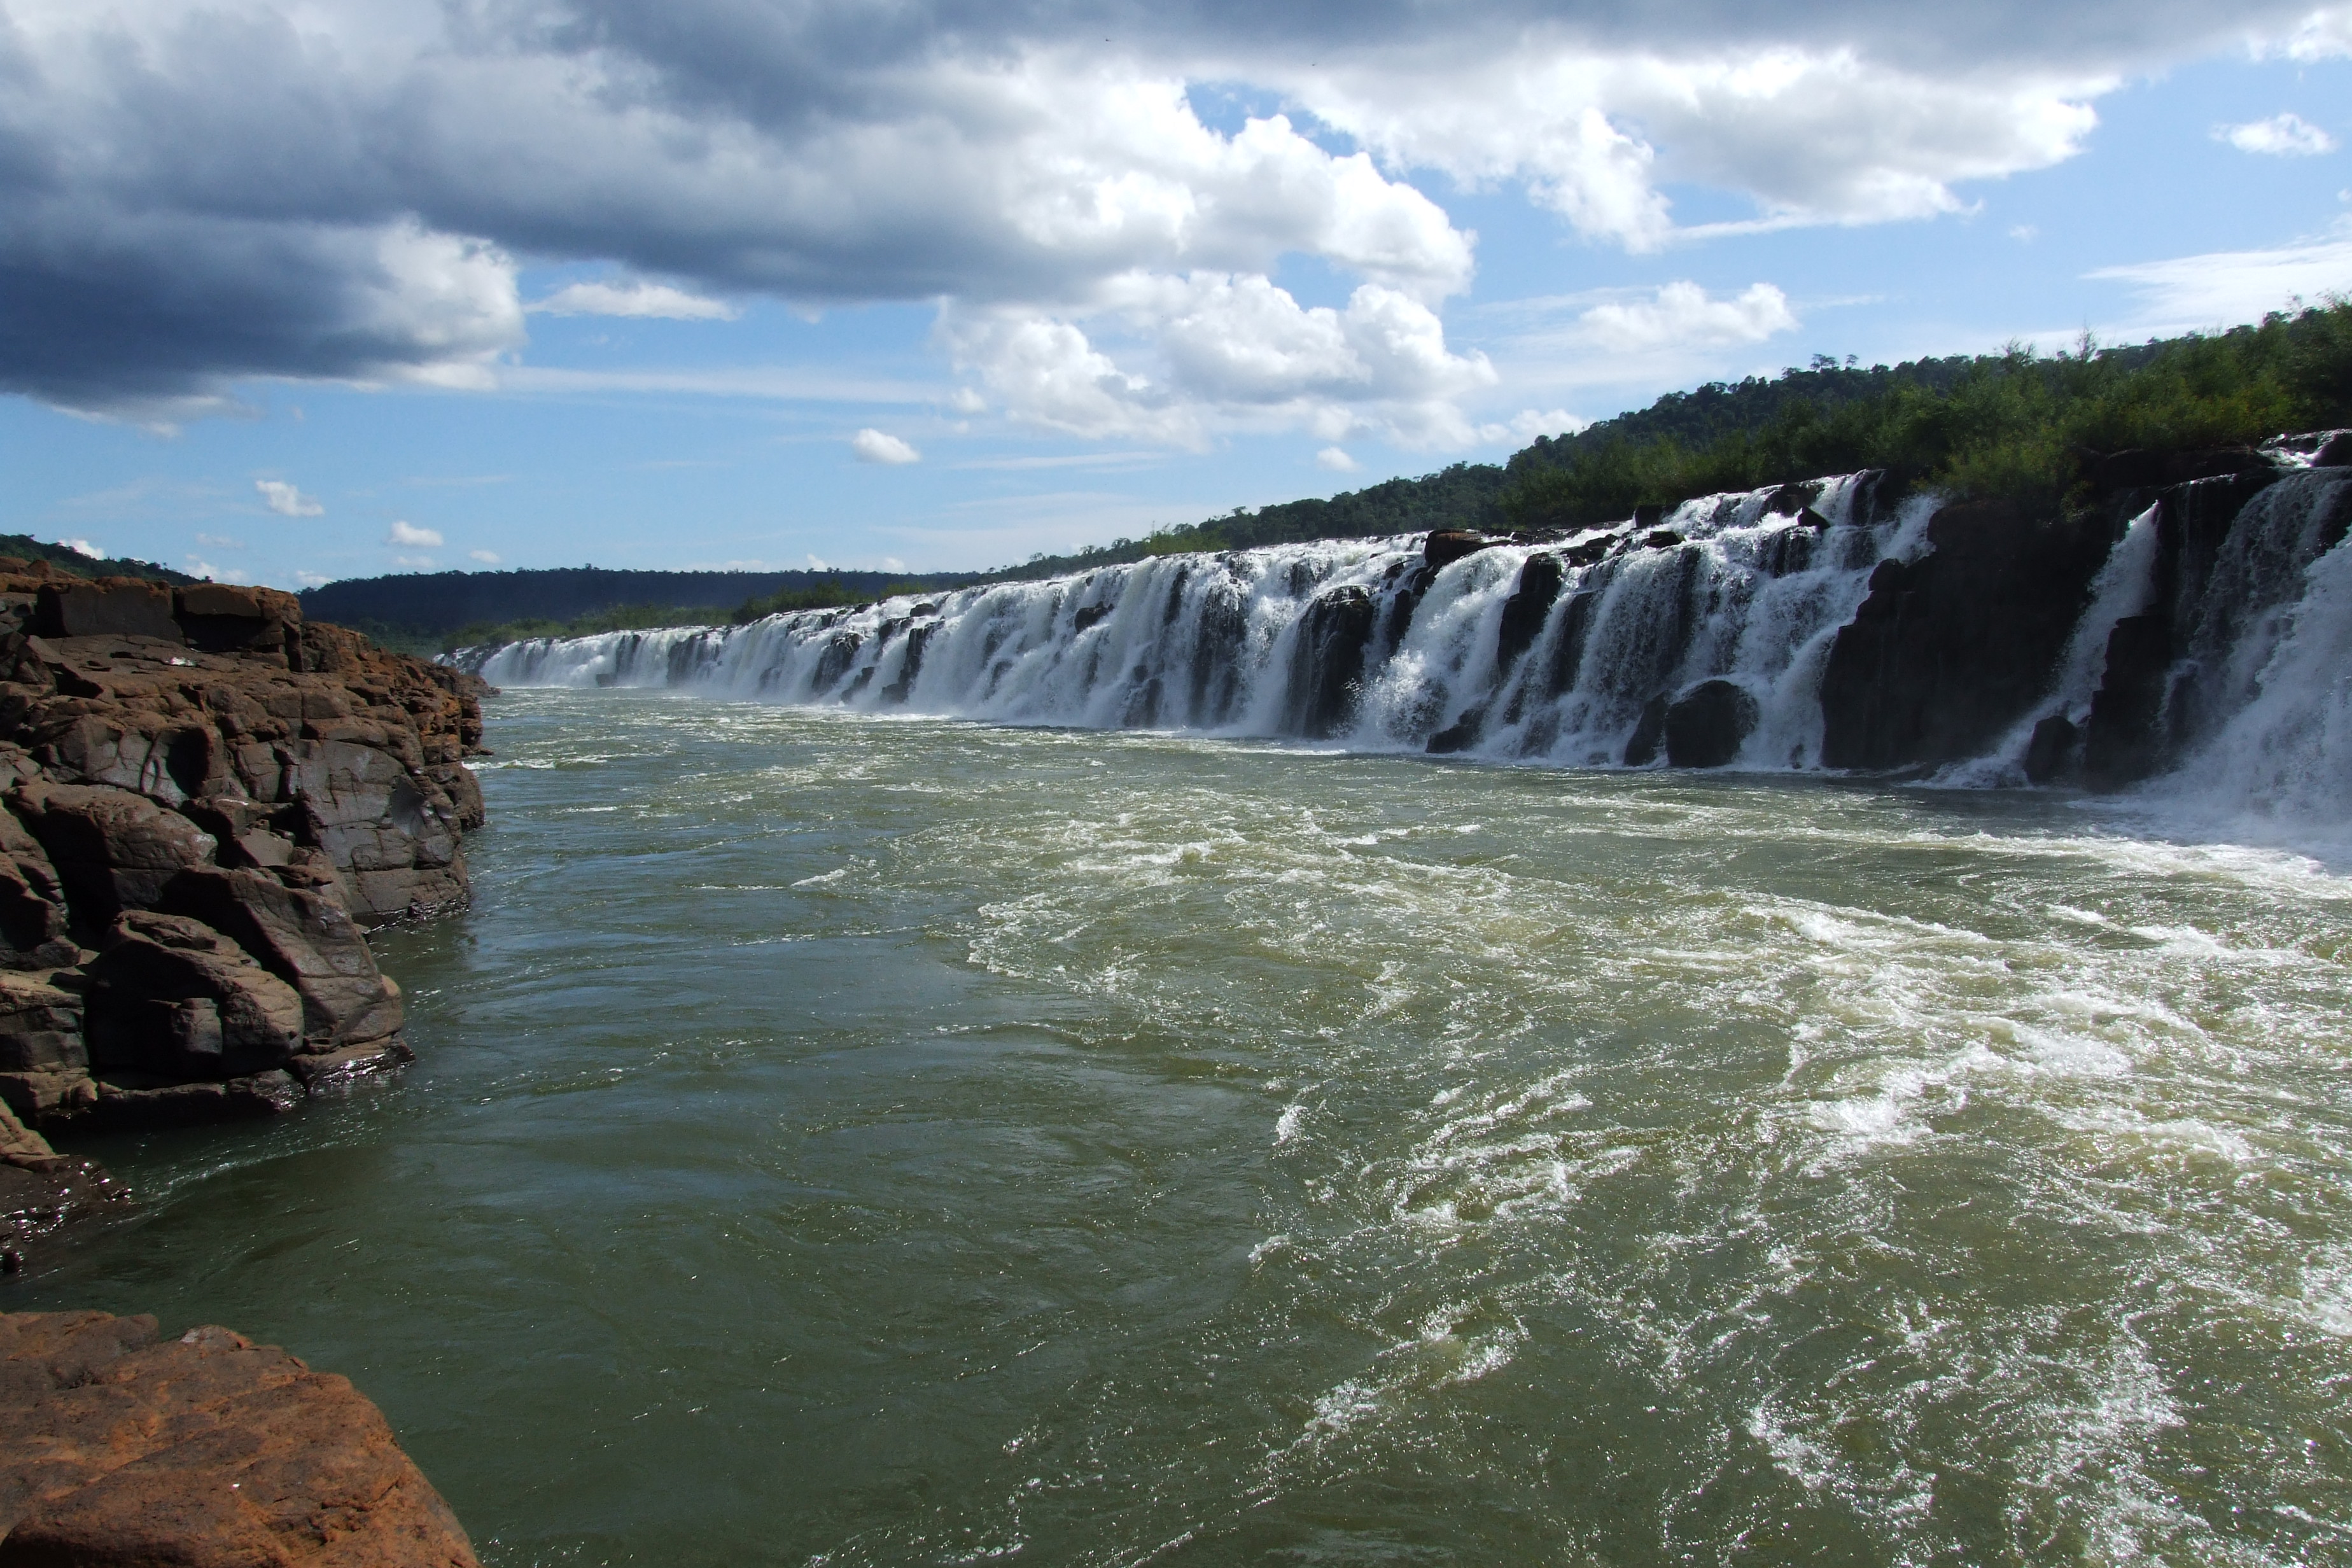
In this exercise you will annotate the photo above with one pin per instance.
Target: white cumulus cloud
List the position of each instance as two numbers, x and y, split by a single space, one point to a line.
283 499
84 547
404 533
1336 458
1174 358
1683 313
652 299
487 557
2280 136
873 445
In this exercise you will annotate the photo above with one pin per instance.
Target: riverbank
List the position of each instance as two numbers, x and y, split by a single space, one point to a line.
207 802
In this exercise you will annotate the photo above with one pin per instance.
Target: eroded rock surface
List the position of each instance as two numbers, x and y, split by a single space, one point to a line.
119 1447
203 803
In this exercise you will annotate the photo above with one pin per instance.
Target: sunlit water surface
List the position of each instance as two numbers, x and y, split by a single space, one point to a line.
849 1141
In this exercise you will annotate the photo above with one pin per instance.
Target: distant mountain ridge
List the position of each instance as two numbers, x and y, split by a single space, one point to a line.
433 604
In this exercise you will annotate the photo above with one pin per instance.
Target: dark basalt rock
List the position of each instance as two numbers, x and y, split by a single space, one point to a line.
216 797
2124 740
1459 736
1444 546
2052 748
2138 470
2336 452
1649 734
41 1192
1948 651
1706 726
1328 663
1525 612
120 1447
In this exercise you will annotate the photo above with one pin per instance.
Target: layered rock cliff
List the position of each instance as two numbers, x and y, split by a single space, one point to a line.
205 801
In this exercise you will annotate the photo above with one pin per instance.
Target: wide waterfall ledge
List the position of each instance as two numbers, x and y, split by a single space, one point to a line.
2185 639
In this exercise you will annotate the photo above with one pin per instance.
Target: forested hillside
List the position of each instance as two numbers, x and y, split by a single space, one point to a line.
2018 425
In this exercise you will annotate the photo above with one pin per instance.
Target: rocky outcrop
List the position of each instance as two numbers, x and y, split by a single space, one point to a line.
1706 726
42 1192
119 1447
1327 673
203 803
1947 650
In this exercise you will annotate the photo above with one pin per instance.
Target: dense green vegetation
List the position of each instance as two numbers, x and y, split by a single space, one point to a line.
425 609
2015 426
651 617
614 618
827 597
73 563
1462 496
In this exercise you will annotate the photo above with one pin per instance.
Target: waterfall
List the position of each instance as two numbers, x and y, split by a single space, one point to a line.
2261 702
2210 642
1561 653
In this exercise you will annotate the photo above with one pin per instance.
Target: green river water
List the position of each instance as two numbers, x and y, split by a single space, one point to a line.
850 1141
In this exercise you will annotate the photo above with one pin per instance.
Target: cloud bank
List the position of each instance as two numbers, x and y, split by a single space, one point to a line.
192 198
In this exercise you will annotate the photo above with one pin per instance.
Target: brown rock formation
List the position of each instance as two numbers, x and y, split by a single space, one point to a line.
204 800
41 1191
120 1447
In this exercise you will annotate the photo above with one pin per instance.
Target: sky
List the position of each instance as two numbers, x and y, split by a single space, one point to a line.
292 291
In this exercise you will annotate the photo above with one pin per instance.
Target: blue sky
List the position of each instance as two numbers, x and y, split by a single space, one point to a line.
291 292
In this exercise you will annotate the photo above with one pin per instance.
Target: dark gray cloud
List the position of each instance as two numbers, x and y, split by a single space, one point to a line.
192 198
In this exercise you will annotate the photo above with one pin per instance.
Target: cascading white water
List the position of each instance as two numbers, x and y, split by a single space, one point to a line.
1351 641
1552 653
2264 691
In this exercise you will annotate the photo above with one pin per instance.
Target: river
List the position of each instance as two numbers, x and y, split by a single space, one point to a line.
847 1139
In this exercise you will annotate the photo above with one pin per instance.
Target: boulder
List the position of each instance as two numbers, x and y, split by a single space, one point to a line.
1444 546
306 938
1706 726
2123 743
2336 452
41 1192
40 1025
224 617
119 1447
1459 736
33 915
2051 748
109 607
1649 733
391 831
302 781
113 850
171 999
